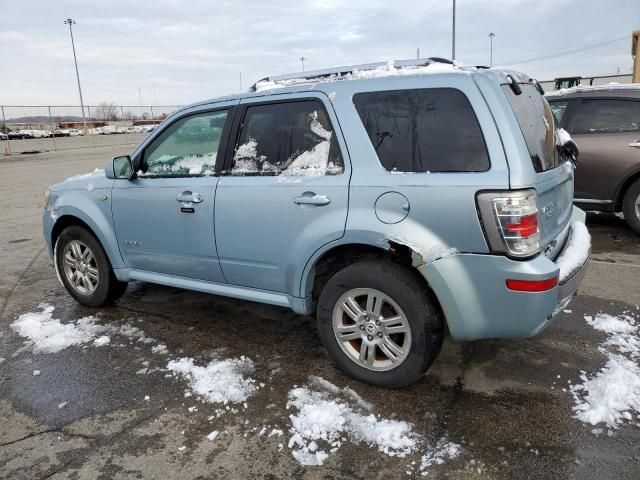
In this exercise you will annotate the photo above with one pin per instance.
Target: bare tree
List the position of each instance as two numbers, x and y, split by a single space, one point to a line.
105 111
129 115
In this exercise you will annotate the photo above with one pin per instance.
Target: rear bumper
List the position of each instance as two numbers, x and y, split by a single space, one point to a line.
477 304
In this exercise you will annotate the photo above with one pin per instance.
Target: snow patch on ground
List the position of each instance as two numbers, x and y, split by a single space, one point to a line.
612 396
576 253
49 335
325 416
220 381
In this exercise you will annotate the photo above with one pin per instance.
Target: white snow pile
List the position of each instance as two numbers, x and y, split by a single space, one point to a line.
563 136
387 70
576 253
49 335
325 417
195 164
612 396
98 172
220 381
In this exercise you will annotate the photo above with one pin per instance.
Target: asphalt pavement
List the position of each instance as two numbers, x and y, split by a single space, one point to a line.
114 412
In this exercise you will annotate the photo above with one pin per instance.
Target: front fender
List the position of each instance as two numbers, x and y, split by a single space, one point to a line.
93 208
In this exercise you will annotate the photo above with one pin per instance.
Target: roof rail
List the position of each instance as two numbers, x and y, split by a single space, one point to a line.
313 75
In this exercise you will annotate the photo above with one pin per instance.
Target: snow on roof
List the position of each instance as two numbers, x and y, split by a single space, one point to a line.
595 88
388 69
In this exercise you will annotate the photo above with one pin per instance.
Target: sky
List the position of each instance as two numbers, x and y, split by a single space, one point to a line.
175 52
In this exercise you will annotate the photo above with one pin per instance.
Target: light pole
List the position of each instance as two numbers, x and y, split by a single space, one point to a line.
70 22
491 35
453 33
302 59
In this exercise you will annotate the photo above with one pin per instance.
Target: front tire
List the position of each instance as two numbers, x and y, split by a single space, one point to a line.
84 268
379 323
631 206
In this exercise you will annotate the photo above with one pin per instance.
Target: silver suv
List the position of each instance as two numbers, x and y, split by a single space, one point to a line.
395 201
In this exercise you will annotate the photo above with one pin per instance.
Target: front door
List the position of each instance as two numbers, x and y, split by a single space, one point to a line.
285 194
164 217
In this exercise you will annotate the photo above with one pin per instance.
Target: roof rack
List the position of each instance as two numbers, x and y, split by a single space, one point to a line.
313 75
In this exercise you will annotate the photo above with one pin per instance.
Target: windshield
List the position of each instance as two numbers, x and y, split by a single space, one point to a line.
537 124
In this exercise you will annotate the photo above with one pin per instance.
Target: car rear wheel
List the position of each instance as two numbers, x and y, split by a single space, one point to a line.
84 269
379 323
631 206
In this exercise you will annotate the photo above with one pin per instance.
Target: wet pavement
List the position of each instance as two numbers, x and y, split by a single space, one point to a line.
501 400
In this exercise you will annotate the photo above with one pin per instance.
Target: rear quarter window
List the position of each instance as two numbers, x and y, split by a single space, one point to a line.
537 124
423 130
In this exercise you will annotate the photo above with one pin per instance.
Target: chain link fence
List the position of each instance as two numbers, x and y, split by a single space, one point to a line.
40 128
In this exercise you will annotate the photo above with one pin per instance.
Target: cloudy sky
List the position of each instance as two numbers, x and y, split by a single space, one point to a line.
180 51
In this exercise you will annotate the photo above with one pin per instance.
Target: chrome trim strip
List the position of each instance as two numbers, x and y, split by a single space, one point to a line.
589 200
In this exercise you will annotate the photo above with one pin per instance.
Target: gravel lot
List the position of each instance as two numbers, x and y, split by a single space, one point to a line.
114 411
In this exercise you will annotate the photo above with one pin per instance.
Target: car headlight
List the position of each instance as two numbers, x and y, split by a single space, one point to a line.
45 199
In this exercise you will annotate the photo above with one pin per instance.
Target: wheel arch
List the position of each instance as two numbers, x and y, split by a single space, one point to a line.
68 219
335 257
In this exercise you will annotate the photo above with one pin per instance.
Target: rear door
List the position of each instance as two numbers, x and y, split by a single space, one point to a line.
284 194
607 131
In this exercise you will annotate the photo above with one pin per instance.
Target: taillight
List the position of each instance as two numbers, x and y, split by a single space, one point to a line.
510 221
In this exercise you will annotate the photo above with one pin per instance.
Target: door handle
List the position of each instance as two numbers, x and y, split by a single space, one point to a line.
187 196
310 198
635 144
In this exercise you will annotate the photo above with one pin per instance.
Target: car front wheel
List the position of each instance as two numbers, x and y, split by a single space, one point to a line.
379 323
631 206
84 269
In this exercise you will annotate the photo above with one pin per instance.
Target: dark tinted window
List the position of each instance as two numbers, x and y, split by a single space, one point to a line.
607 116
537 125
430 130
293 138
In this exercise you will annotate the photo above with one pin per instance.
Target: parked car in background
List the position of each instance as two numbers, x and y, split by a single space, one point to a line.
74 132
19 134
3 136
604 121
415 198
61 132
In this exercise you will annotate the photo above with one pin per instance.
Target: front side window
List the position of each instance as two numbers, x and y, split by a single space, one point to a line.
607 116
188 147
426 130
294 138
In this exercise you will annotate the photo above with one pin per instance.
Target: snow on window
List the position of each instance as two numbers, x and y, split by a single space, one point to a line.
196 164
612 395
576 253
220 381
326 415
246 159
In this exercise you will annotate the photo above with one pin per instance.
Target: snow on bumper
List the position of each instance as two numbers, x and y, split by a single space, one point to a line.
477 304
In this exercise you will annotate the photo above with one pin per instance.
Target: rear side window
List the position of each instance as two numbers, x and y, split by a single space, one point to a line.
426 130
537 125
607 116
293 138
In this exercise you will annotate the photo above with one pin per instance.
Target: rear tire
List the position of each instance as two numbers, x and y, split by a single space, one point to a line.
391 334
631 206
84 268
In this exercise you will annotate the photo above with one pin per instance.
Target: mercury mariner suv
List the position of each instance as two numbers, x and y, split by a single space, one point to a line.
394 201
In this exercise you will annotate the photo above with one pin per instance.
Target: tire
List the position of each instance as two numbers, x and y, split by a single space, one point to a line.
100 286
631 206
400 289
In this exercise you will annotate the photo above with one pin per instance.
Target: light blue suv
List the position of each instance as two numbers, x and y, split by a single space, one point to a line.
394 201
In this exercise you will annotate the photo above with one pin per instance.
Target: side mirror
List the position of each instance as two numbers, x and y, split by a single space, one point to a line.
572 150
123 168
